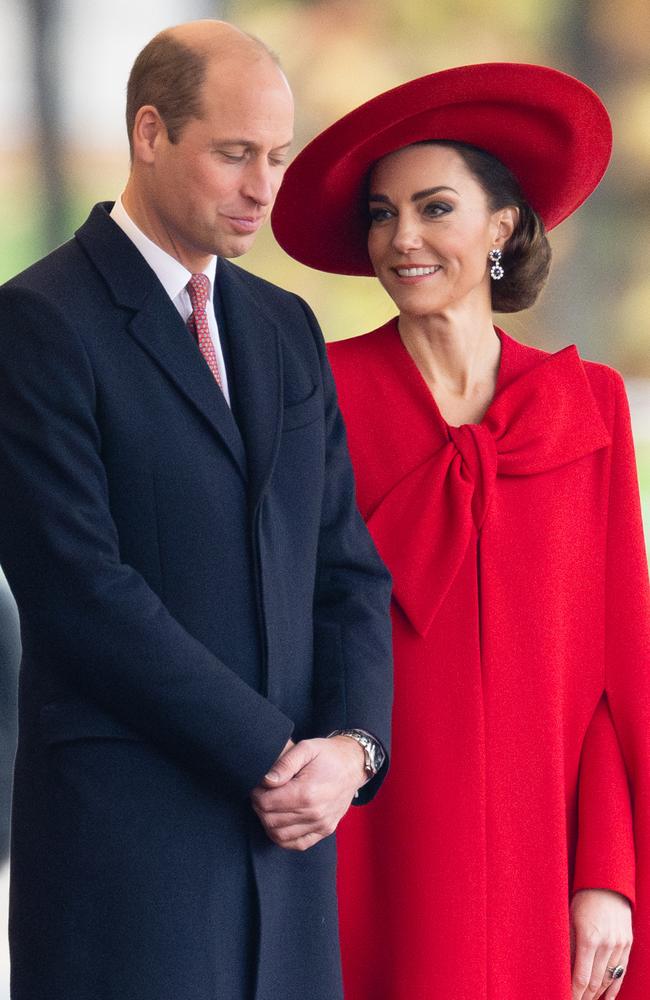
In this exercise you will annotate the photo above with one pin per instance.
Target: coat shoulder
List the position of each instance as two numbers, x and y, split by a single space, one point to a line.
273 297
608 387
604 379
605 382
54 277
37 306
58 299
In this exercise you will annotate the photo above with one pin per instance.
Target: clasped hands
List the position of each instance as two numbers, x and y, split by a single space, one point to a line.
308 790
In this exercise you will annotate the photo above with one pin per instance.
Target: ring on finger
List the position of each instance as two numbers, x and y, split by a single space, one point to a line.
615 971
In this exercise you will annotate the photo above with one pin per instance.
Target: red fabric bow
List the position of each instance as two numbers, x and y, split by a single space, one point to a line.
544 419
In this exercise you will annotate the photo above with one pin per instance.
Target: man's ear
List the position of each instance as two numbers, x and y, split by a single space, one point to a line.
148 131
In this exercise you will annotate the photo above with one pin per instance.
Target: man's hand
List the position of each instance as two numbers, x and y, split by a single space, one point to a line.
308 790
601 928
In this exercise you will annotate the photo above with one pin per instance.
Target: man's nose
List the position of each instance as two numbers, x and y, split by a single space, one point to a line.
258 183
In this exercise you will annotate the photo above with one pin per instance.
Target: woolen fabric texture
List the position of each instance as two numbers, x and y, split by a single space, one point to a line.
549 129
9 660
192 592
522 697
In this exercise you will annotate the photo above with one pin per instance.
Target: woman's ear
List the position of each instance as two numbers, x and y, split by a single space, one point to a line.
505 220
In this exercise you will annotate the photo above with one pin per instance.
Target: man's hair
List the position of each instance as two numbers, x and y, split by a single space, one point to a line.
170 76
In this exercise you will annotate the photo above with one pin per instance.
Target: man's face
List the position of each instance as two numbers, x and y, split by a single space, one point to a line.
210 192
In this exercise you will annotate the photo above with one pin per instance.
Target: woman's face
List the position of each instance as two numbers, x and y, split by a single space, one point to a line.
431 230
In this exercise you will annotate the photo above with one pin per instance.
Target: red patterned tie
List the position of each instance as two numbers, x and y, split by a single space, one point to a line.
198 289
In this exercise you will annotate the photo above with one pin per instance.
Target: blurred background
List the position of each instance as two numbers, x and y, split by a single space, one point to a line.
63 71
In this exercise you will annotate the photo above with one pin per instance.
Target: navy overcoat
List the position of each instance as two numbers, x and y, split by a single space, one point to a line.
192 592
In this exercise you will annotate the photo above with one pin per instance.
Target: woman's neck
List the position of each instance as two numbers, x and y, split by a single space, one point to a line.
458 356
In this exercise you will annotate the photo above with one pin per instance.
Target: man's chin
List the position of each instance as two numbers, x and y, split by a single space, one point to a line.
235 246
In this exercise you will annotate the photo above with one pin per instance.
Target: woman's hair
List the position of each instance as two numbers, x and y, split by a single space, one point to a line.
527 254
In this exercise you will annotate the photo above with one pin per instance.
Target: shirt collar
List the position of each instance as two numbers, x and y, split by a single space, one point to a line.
169 271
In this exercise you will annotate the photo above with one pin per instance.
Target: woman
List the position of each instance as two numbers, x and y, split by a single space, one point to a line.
498 482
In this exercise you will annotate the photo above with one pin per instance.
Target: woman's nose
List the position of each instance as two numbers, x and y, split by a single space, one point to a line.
407 236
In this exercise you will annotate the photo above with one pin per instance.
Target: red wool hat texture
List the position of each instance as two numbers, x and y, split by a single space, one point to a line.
552 131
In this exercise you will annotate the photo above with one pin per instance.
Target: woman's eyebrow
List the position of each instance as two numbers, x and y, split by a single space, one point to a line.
429 191
418 194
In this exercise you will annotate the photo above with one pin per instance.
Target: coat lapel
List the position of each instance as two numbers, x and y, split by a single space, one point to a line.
156 324
257 367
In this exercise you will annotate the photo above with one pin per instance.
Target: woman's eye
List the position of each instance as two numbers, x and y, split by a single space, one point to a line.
436 208
379 214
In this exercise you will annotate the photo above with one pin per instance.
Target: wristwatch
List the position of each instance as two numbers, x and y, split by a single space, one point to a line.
373 751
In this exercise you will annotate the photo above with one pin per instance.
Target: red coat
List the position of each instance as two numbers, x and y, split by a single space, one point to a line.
522 698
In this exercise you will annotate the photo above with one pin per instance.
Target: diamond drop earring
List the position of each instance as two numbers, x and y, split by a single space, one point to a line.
496 271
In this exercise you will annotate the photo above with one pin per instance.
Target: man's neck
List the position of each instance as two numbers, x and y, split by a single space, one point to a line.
149 223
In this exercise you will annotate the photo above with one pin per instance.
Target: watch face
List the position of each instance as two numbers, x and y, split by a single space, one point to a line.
373 750
378 756
373 753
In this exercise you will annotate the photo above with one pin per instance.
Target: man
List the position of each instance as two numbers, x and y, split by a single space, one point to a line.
9 660
200 603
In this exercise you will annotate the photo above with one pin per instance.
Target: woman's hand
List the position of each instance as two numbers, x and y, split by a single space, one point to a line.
601 938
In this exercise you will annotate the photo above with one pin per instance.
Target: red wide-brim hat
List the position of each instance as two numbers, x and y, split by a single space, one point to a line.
548 128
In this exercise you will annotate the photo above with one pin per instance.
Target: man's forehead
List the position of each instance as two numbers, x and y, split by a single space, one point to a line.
238 101
242 61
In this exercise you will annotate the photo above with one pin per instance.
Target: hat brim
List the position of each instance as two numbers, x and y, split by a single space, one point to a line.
549 129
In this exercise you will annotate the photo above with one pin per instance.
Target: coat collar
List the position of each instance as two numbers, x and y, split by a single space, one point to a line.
156 325
543 416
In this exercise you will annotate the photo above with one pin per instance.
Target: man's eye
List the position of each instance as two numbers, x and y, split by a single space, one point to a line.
232 157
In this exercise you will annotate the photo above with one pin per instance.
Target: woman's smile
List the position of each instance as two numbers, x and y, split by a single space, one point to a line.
414 273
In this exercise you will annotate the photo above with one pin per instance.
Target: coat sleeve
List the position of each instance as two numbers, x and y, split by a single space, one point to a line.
627 665
352 629
87 613
605 857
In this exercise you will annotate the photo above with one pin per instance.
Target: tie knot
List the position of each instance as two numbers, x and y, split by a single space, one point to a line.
198 289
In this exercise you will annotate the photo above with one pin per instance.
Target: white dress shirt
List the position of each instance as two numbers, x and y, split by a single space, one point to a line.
174 278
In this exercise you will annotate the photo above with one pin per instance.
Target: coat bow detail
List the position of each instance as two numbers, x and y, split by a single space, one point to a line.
422 527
